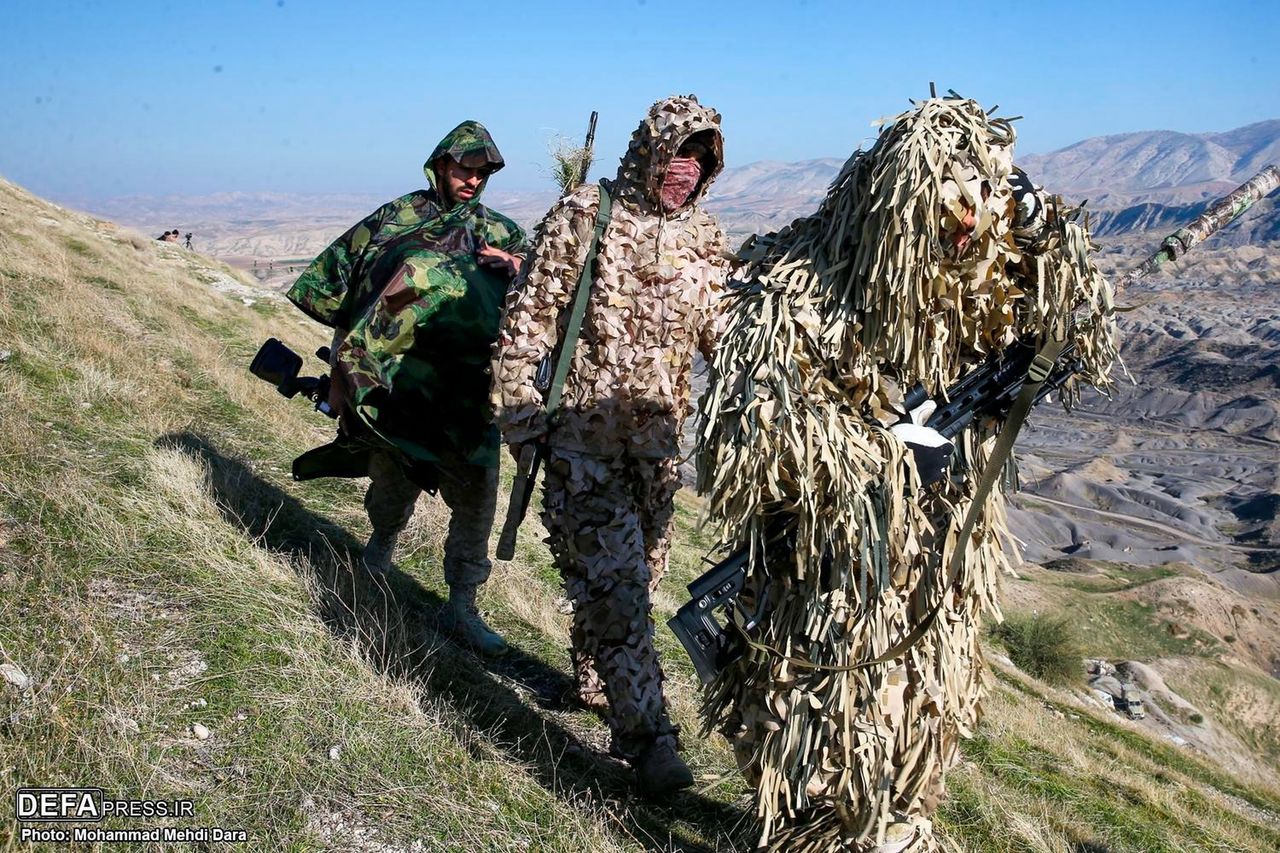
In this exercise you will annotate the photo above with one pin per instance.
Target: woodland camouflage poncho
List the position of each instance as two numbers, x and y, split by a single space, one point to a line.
421 313
834 316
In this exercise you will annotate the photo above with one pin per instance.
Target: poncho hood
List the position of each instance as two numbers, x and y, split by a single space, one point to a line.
470 137
670 123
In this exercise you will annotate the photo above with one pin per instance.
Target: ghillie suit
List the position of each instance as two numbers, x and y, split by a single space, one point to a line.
611 475
831 319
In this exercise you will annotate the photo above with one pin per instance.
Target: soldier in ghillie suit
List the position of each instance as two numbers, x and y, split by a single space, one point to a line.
611 473
929 254
414 294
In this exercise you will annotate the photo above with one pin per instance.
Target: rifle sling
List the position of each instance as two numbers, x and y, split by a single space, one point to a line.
1039 370
570 341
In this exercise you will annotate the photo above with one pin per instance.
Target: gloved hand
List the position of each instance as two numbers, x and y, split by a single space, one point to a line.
932 450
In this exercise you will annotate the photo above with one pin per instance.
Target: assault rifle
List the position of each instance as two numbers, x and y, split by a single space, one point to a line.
987 392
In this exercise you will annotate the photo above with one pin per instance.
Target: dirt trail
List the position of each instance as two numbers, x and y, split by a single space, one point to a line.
1152 525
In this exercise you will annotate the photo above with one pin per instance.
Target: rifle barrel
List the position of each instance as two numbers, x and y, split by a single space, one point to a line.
1217 216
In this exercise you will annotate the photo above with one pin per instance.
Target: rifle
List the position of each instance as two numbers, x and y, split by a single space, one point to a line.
533 453
986 392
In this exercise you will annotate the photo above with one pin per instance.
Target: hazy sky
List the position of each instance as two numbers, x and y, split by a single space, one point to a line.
115 98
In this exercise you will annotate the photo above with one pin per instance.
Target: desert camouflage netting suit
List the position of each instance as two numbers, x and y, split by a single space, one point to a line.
611 477
837 314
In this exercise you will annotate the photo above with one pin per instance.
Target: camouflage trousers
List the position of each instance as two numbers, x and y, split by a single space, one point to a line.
469 491
609 519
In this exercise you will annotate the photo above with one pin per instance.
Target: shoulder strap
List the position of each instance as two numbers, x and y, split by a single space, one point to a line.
603 216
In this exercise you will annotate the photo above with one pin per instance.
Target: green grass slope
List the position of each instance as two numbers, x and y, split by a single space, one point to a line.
180 620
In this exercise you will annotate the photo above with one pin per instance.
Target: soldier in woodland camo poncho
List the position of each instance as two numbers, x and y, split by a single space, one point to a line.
926 256
611 474
414 293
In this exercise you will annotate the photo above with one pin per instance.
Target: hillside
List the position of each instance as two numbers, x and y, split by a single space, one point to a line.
179 619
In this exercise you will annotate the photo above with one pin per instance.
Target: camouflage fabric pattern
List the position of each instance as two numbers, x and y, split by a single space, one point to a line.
420 315
609 523
846 308
416 362
467 140
469 491
653 303
1218 215
611 480
590 685
334 287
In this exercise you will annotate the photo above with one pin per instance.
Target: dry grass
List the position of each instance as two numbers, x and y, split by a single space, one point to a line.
158 569
570 163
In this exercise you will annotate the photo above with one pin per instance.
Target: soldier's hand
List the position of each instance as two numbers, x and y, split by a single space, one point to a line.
496 259
930 448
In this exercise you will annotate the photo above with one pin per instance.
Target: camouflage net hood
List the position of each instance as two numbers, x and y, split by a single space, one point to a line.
654 301
670 123
469 137
832 318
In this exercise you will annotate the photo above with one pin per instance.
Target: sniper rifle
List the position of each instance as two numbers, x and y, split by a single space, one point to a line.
533 453
989 391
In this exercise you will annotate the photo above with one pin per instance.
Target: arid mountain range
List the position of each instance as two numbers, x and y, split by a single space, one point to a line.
1133 182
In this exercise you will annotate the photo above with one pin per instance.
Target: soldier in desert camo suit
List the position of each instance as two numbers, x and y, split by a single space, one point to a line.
611 474
414 294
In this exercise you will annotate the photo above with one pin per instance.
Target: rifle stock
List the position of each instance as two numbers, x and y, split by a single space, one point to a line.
521 495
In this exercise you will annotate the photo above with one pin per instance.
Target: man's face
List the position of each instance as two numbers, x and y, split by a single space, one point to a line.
461 182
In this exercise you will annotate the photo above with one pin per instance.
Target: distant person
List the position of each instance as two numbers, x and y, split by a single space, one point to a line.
171 236
414 294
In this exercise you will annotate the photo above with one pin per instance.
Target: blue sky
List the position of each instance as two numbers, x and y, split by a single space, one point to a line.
116 98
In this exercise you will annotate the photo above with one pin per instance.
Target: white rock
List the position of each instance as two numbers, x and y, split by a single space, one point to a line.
5 355
15 676
199 703
200 732
334 753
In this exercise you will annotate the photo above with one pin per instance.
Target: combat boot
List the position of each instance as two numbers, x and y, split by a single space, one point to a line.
377 554
660 770
461 620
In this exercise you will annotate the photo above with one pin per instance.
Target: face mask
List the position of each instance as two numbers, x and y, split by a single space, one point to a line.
680 181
